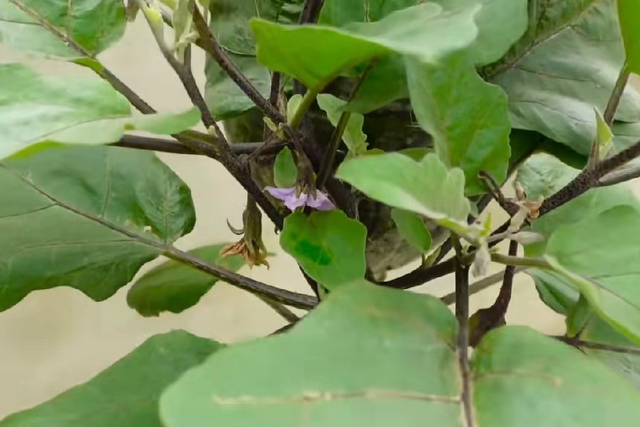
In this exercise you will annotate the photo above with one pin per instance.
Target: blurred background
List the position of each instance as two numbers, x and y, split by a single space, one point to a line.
59 338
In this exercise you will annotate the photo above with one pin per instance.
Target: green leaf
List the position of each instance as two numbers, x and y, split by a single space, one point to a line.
427 31
492 41
230 26
328 245
564 66
386 82
353 136
626 364
85 217
413 229
87 110
354 360
285 172
515 366
424 187
629 15
467 118
602 265
558 294
293 105
223 96
604 136
541 176
127 393
94 25
174 286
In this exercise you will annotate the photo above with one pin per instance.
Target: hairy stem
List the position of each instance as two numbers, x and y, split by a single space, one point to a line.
589 178
169 146
221 147
213 48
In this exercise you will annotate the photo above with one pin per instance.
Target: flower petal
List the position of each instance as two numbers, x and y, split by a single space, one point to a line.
320 202
296 201
281 193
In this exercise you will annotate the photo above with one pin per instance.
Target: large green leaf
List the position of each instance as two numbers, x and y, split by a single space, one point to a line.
386 81
379 357
87 110
230 26
317 54
425 187
328 245
599 257
467 118
628 15
492 41
85 217
174 286
127 393
94 25
566 64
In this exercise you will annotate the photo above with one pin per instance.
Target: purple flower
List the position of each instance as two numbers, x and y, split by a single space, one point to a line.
292 200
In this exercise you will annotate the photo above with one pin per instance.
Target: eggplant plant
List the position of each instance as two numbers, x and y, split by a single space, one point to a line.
372 135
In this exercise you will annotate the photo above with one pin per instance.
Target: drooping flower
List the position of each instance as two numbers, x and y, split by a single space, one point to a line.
294 199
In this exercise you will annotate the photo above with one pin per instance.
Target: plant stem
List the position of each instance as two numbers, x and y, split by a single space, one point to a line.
338 132
422 275
520 262
183 71
330 154
279 308
494 317
274 95
168 146
213 48
462 314
619 176
282 296
616 95
480 285
221 147
495 191
589 178
597 346
311 11
307 102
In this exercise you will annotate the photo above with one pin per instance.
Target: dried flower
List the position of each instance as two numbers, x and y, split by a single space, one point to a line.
250 246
